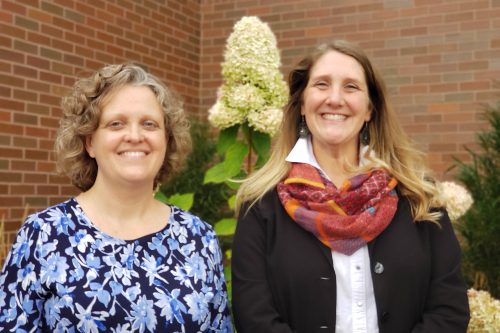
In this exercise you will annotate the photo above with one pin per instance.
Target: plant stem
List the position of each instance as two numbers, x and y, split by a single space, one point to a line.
249 167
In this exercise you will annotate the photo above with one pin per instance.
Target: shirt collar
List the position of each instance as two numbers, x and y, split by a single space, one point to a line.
303 152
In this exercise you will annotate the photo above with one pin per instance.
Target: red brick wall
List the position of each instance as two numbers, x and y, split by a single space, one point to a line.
439 57
45 45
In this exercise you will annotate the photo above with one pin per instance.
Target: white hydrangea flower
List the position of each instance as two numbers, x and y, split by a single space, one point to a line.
254 90
458 200
224 117
484 312
267 120
244 96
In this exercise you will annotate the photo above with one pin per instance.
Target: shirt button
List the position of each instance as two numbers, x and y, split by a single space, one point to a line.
360 304
358 268
379 268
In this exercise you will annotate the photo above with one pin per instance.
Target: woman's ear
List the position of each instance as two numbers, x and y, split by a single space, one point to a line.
88 146
368 115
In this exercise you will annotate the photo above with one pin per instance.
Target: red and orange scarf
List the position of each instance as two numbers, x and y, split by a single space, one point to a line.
343 219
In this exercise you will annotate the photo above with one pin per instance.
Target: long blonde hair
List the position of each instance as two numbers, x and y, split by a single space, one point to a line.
393 149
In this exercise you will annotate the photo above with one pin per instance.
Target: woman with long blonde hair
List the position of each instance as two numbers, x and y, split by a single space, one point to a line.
343 229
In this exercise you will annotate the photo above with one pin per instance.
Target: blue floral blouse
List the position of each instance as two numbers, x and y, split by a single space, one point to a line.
64 275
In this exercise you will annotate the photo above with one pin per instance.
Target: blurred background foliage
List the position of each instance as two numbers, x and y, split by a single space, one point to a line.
480 226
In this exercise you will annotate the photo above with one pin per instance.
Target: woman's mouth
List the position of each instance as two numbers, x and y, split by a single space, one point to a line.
133 153
334 117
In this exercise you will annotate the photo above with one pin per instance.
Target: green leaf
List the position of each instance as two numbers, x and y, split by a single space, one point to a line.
183 201
227 137
216 174
225 227
232 201
227 275
229 254
261 143
227 271
260 162
234 158
161 197
232 185
235 185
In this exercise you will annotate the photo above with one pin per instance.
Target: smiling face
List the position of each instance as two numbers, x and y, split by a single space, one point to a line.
336 103
130 143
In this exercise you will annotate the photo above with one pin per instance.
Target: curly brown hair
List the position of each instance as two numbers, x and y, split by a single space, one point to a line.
82 111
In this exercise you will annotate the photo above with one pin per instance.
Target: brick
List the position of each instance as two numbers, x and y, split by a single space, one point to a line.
444 107
36 155
22 118
22 190
458 117
11 56
35 178
47 190
11 152
38 62
13 7
459 17
414 50
62 68
21 141
63 23
442 147
63 46
427 59
414 31
459 97
27 23
37 109
11 129
51 8
11 81
50 53
36 201
473 65
10 177
39 16
318 31
484 85
444 87
74 16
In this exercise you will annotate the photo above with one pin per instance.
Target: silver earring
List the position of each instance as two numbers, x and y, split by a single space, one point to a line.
364 135
303 131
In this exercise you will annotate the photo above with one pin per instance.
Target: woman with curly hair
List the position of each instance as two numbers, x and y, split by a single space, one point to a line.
114 259
343 229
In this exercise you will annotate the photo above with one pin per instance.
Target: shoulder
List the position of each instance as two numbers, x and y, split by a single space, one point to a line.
192 223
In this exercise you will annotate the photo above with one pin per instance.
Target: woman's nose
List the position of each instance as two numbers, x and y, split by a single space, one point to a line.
334 97
134 134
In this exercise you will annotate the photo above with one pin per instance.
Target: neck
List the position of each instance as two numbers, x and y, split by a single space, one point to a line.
123 202
333 161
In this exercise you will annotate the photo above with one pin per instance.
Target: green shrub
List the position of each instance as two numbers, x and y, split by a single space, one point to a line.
210 200
480 226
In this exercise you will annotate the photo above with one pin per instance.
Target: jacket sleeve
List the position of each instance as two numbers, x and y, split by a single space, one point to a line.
253 306
447 307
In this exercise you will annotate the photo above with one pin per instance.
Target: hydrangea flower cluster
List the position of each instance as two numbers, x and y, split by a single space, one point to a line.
254 89
458 200
484 311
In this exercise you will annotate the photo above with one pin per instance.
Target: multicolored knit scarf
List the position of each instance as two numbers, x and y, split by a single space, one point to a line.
343 219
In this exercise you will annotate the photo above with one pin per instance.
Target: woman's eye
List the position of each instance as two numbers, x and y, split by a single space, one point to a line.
115 124
150 124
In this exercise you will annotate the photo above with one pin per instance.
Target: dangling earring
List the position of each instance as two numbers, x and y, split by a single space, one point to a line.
157 188
364 135
303 131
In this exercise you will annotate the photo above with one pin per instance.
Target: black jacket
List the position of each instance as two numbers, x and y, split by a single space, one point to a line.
283 277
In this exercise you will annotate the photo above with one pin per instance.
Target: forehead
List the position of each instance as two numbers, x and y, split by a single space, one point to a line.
128 97
337 64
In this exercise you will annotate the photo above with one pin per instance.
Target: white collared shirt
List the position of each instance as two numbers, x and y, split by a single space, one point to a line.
356 308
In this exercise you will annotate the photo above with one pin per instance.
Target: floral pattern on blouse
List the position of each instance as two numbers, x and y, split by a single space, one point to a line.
64 275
